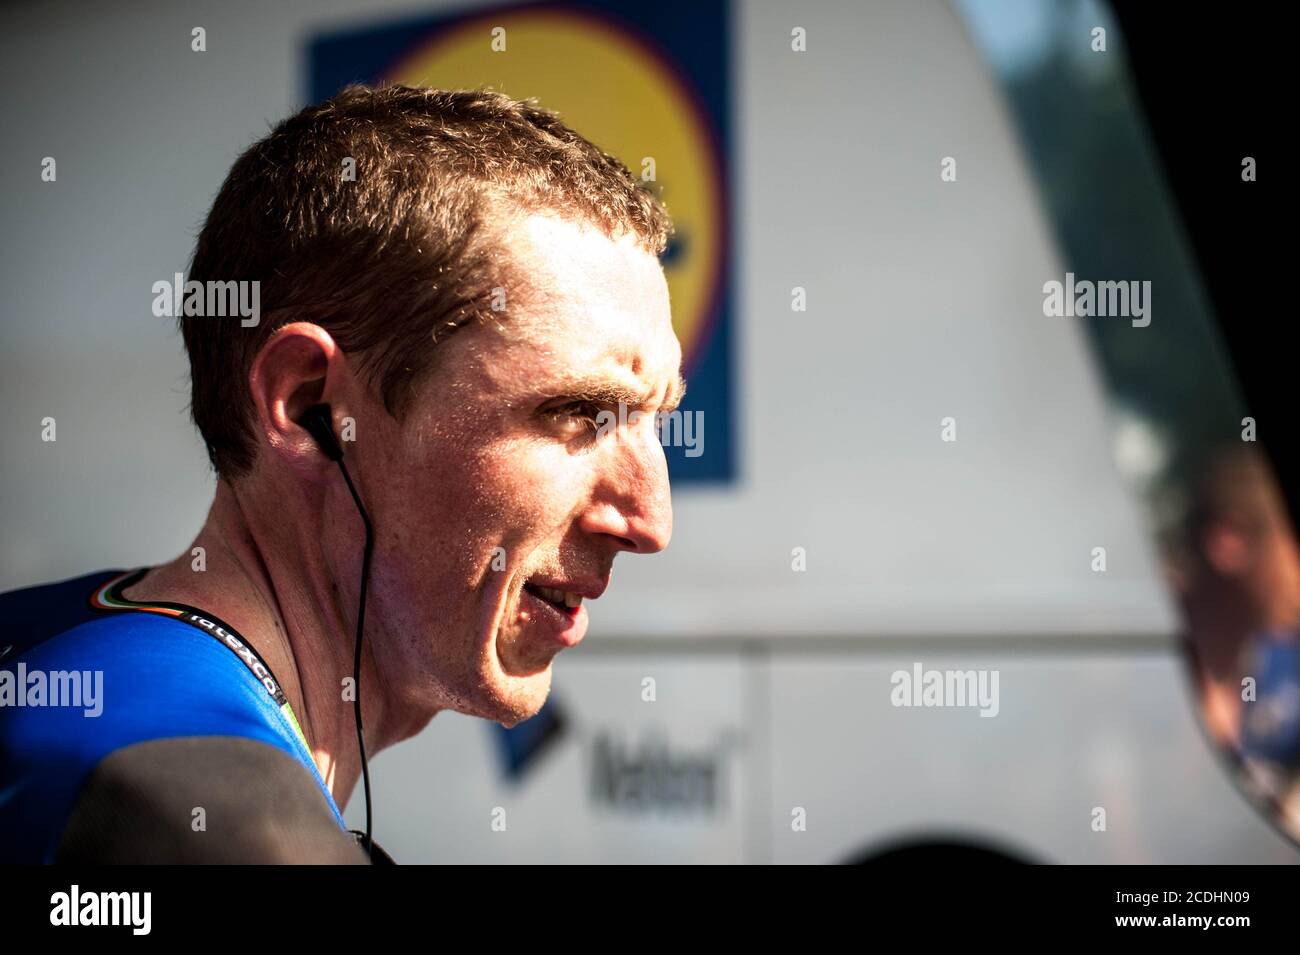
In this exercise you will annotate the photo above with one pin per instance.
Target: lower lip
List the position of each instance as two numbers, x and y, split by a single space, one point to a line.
567 626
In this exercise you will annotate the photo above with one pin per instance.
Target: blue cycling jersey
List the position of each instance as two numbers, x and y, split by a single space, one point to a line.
84 673
1270 729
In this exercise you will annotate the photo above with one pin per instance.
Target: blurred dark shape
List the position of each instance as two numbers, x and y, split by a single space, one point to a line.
946 850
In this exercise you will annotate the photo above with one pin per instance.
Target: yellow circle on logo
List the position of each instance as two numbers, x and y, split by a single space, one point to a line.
619 93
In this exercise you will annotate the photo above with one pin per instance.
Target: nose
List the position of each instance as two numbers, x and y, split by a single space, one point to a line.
632 503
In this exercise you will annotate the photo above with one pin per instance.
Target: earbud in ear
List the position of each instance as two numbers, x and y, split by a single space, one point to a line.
320 425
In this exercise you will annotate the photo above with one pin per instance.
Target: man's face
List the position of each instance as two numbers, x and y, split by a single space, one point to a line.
497 494
1253 548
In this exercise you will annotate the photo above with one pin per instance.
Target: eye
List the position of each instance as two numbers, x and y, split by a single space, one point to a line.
572 418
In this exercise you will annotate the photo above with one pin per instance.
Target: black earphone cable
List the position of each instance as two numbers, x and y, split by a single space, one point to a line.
319 423
356 661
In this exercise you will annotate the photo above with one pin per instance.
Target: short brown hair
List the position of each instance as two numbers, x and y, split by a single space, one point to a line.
398 259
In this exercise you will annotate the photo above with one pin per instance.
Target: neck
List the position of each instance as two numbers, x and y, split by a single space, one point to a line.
267 577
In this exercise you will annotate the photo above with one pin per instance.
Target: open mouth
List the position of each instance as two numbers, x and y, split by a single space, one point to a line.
563 600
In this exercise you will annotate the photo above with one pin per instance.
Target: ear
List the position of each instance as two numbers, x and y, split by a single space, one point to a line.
299 366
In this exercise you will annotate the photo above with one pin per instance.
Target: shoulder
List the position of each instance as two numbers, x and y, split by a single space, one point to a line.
73 700
207 799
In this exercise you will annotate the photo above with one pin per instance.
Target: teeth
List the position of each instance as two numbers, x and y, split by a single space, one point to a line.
563 597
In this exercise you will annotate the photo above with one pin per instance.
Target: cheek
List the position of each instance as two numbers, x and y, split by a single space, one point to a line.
433 530
516 495
533 487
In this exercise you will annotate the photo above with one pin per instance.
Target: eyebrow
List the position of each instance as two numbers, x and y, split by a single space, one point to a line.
603 391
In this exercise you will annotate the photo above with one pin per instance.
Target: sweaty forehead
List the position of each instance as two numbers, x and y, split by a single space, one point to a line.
589 303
